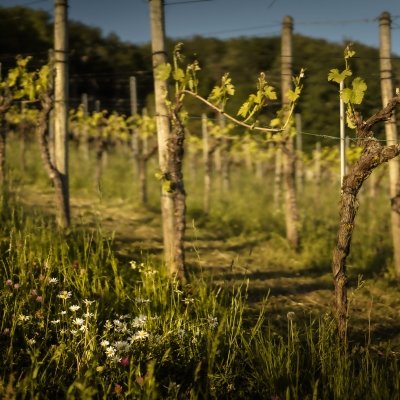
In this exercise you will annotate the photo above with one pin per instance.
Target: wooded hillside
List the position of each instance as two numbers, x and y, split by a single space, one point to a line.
101 65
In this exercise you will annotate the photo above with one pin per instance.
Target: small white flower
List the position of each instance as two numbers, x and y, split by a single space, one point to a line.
31 341
63 312
133 264
88 302
64 295
140 300
139 321
120 326
53 281
23 318
122 346
212 321
83 328
108 325
140 335
110 351
104 343
74 332
181 333
74 308
55 321
88 315
188 300
78 321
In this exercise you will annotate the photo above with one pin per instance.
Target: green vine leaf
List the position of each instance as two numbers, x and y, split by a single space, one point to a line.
163 71
219 94
293 95
269 92
354 95
256 102
178 75
338 77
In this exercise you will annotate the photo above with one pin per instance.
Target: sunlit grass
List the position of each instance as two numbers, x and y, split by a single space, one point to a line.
80 321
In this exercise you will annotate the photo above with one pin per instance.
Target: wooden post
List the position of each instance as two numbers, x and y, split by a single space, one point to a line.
289 156
135 134
85 137
225 161
133 95
278 179
61 106
163 130
390 128
342 137
299 151
207 163
317 163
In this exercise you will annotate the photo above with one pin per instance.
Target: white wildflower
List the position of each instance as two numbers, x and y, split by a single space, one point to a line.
104 343
53 281
120 326
55 321
78 321
63 312
141 300
74 308
110 351
88 315
23 318
212 321
88 302
139 321
31 341
122 346
140 335
108 325
133 264
64 295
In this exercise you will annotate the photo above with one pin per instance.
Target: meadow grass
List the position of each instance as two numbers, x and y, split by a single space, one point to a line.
81 322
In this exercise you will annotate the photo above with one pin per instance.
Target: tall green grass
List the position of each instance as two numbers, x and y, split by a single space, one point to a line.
80 322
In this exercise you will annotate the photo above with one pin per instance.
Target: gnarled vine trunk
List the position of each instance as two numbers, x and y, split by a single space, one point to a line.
373 154
2 152
53 173
176 150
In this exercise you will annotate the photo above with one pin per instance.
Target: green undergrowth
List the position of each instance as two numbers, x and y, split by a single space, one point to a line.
85 315
78 323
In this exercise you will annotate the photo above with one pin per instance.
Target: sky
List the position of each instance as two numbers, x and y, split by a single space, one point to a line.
334 20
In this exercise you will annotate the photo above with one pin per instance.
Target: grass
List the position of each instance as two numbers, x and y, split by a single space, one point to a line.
88 314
